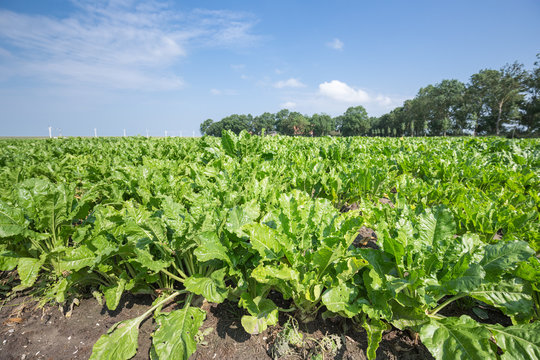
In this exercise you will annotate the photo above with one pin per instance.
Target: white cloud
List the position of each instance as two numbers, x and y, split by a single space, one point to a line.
334 97
117 44
289 83
288 105
335 44
342 92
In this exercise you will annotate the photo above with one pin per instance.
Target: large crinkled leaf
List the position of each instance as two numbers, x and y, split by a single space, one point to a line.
470 280
512 295
12 221
240 216
77 258
228 143
505 256
263 313
211 248
8 260
269 274
114 293
47 204
456 338
435 227
28 269
264 240
119 343
381 262
347 268
342 299
530 271
379 295
147 260
374 330
212 288
323 257
175 335
518 341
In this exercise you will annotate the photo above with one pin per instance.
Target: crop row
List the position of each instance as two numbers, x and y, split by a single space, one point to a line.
238 217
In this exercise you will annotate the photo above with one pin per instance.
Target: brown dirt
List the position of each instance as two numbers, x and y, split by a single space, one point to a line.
31 333
228 340
366 238
386 201
47 334
349 207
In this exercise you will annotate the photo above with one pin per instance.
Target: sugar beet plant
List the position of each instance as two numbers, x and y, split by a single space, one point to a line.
243 217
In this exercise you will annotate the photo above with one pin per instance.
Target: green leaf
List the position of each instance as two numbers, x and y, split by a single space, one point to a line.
119 343
211 248
456 338
518 341
470 280
264 240
263 312
228 143
268 274
380 261
28 269
374 329
342 299
77 258
505 256
175 335
49 205
12 221
435 227
212 288
324 257
114 293
513 296
240 216
8 260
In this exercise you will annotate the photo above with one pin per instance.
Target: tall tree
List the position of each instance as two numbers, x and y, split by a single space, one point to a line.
264 121
205 125
293 123
500 92
355 122
530 119
322 124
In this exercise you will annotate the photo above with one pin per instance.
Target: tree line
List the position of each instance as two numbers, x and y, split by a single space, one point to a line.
493 102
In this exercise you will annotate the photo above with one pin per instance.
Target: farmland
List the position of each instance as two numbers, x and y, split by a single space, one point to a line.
375 233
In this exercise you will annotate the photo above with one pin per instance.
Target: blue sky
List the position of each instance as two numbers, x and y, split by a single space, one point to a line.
169 65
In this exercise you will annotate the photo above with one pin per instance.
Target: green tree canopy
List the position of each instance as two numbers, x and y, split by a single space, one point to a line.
355 122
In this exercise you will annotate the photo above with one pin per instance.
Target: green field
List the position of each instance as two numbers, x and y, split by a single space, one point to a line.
456 222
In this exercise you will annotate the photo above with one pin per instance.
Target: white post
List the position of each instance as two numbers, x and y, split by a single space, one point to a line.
180 134
124 132
50 132
193 133
147 134
95 132
165 133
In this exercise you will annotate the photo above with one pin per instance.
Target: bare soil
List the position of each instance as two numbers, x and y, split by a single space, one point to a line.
28 332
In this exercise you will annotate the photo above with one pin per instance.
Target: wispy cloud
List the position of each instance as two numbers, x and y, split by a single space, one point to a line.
116 44
288 105
223 92
342 92
335 44
289 83
238 67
